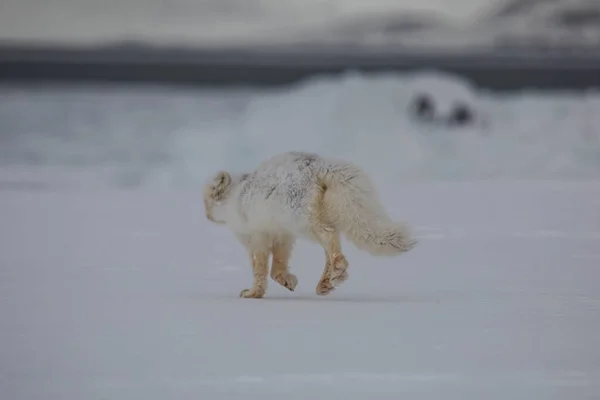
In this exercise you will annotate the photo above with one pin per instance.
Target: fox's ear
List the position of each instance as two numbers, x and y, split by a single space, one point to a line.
222 180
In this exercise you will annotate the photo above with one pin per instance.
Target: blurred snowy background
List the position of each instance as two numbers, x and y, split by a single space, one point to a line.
173 138
427 24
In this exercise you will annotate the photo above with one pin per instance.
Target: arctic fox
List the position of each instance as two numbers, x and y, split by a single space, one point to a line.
298 194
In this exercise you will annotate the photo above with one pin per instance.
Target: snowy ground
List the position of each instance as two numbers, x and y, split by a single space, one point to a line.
133 295
114 286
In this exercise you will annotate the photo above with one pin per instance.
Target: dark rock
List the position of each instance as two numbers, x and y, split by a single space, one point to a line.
423 107
461 115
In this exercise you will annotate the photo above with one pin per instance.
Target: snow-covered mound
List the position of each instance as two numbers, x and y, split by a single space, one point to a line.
176 137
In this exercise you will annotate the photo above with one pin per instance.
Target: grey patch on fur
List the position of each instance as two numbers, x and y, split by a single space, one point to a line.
246 182
270 192
304 160
349 179
242 213
295 196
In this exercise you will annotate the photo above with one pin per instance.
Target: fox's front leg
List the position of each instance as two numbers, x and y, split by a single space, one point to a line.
280 272
260 271
258 250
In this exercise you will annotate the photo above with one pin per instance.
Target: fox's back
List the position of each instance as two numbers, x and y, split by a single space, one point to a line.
277 194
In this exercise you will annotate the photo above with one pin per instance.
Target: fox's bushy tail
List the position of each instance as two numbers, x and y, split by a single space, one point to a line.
353 204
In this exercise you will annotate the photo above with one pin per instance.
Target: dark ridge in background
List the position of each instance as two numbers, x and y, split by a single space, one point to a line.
271 66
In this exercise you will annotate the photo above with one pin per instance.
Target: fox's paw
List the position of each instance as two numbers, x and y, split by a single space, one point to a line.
338 273
339 279
287 280
324 287
252 293
328 285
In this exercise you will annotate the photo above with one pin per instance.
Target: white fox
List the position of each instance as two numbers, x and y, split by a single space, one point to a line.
297 194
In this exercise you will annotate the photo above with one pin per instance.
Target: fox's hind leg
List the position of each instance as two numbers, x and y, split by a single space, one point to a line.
335 271
324 286
280 272
324 232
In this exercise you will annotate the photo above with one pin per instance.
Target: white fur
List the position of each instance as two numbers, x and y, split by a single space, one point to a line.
304 195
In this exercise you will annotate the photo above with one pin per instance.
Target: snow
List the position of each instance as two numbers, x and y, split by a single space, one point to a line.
164 138
132 294
113 285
